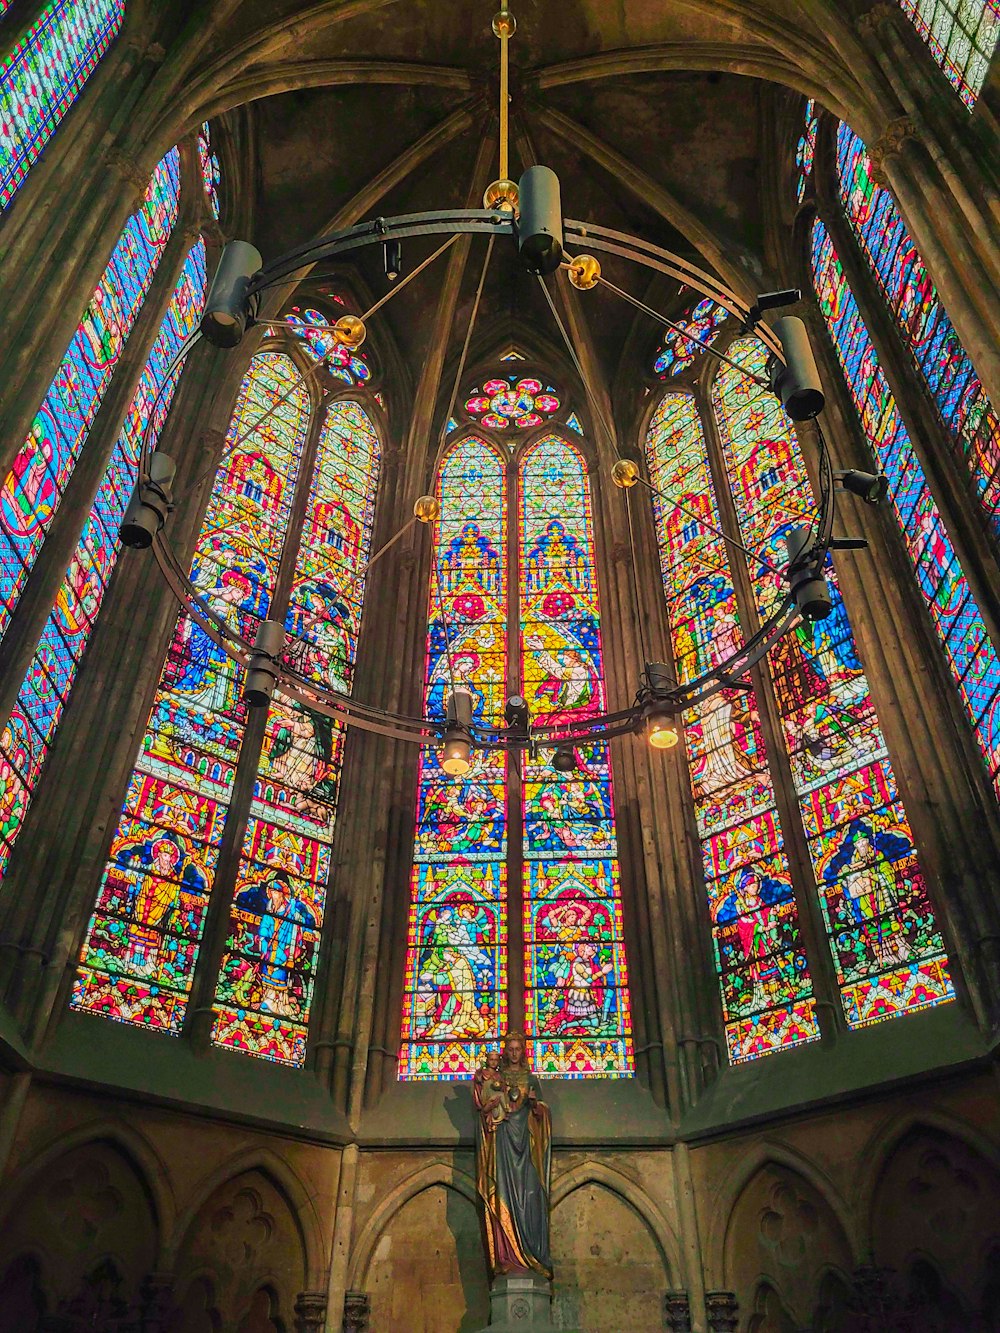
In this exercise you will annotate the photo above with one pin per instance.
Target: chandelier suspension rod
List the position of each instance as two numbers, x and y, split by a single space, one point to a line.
684 333
504 34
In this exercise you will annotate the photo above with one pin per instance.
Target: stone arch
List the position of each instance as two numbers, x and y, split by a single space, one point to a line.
783 1238
88 1205
614 1251
931 1210
435 1173
760 1156
285 1181
425 1240
250 1226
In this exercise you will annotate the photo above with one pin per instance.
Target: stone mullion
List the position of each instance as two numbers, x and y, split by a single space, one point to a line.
49 570
373 975
200 1014
71 824
647 936
939 452
938 766
826 990
59 237
676 892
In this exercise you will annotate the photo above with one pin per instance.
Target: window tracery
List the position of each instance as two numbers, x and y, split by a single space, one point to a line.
42 76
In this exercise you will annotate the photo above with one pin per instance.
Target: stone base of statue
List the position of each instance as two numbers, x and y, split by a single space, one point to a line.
521 1305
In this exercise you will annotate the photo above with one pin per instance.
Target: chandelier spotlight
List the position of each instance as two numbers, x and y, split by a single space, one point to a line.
529 217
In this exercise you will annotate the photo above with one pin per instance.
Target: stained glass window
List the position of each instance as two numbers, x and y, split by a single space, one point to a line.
970 653
32 490
886 947
141 945
578 1020
678 352
211 172
312 327
928 332
565 877
511 402
25 741
767 997
269 968
962 36
43 75
805 151
455 993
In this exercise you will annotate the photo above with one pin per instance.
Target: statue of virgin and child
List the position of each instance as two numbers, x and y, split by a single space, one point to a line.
513 1162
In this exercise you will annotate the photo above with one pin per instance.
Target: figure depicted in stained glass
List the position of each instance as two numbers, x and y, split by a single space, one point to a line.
271 914
159 884
513 1163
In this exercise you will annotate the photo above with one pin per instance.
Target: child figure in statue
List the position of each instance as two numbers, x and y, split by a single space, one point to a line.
491 1091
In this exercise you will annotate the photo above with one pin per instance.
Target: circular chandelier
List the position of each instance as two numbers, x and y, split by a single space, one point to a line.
526 216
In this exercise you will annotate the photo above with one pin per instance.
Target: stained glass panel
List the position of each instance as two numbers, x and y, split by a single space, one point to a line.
767 995
269 968
455 993
511 402
678 352
211 172
578 1018
42 76
32 490
805 151
887 949
941 359
970 653
962 36
312 327
25 742
140 949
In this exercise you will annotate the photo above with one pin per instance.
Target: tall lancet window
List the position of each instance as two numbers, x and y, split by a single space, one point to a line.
42 76
962 36
221 857
45 690
31 492
860 867
941 360
969 651
515 895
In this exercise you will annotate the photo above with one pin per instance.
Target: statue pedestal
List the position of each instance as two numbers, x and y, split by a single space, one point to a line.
520 1305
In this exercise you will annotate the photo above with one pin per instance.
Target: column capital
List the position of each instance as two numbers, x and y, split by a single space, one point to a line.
888 144
874 19
310 1311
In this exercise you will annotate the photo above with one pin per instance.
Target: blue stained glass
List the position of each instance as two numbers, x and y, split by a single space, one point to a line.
43 75
940 358
31 493
971 655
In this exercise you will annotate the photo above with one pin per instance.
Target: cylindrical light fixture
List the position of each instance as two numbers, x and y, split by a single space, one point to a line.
262 675
658 715
227 310
805 576
797 382
564 758
150 504
540 229
872 487
392 257
456 749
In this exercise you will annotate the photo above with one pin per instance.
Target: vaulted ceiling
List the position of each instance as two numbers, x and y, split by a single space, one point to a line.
673 119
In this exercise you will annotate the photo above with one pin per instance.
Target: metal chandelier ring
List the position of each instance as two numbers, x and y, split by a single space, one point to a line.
351 711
